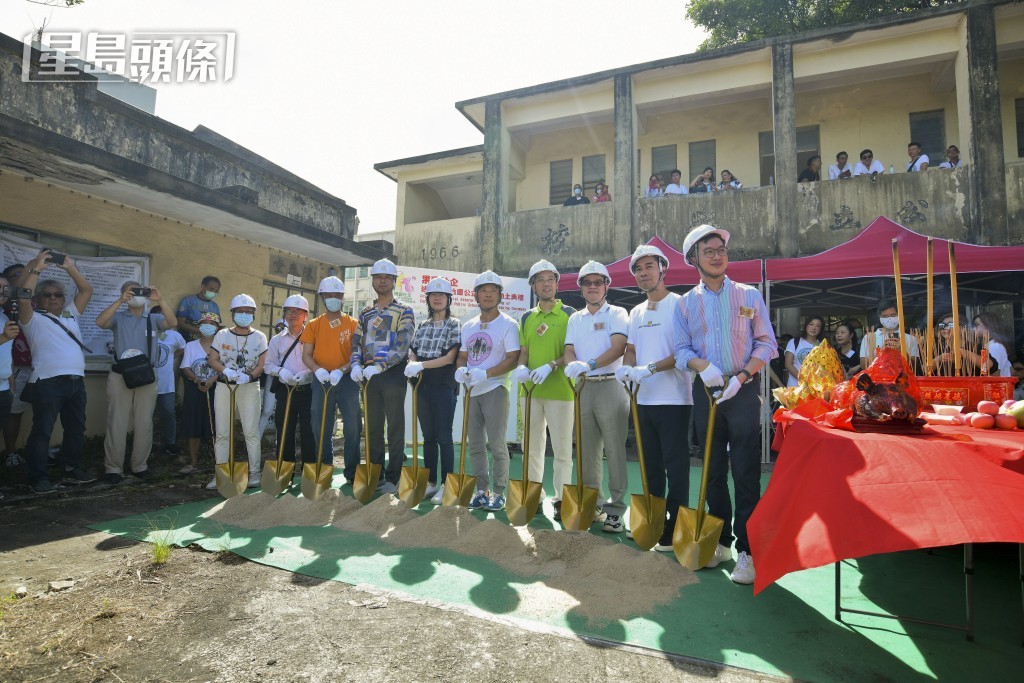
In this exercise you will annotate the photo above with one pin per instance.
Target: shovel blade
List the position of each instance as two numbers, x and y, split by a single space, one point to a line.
522 502
276 479
695 545
646 520
365 484
231 484
458 490
578 511
316 479
412 485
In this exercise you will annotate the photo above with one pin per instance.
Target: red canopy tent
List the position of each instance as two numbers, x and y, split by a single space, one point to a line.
869 254
679 272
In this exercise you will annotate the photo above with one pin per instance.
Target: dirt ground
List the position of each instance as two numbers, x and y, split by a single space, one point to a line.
217 617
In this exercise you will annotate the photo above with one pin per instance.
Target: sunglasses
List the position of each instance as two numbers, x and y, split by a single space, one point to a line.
51 295
945 326
592 283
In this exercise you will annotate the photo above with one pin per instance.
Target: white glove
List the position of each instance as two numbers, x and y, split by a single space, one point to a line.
335 376
414 368
540 374
476 375
640 373
369 372
521 374
286 376
462 375
242 378
230 374
731 389
300 377
622 374
712 376
357 373
576 368
322 375
273 370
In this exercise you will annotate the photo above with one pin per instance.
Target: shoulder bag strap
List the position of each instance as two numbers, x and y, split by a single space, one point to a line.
69 332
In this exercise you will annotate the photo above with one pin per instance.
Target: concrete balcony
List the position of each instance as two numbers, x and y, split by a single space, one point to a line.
452 244
569 235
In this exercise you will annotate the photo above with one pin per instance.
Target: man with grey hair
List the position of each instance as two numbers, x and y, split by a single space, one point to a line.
58 375
136 331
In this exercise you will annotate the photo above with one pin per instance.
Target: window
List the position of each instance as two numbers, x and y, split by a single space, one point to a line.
663 160
593 171
1019 104
561 181
272 306
929 128
806 147
65 244
702 155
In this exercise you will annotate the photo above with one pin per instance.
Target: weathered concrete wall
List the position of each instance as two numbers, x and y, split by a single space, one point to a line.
423 204
568 236
532 191
79 111
452 244
1015 202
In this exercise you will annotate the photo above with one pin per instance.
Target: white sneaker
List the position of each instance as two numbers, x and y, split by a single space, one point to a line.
744 571
722 554
439 496
212 486
431 490
254 481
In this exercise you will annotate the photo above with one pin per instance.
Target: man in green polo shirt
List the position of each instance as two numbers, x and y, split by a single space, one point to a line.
541 360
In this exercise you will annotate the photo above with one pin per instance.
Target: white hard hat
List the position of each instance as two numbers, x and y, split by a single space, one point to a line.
540 267
439 286
593 268
243 300
647 250
699 233
384 267
331 284
296 301
488 277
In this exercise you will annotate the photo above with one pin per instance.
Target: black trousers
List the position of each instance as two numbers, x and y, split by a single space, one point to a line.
664 432
298 415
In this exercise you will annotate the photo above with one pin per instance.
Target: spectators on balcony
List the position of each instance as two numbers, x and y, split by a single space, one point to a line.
841 169
577 196
705 182
601 193
812 173
654 187
868 164
953 159
918 160
676 186
729 181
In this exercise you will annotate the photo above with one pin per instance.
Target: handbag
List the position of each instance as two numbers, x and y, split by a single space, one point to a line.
275 383
137 371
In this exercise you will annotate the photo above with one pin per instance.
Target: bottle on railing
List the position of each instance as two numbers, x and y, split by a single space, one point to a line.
892 169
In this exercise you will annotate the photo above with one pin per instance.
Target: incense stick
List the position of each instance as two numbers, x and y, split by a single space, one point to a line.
929 331
899 294
956 312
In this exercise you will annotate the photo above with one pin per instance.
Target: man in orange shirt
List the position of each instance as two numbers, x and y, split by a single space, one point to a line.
327 352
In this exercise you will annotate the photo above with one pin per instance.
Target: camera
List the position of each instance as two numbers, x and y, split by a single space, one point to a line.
15 293
141 291
57 258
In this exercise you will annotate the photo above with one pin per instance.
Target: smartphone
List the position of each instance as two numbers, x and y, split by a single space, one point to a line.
57 258
141 291
24 293
6 291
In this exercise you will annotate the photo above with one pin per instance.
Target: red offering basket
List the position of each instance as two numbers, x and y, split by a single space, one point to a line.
965 391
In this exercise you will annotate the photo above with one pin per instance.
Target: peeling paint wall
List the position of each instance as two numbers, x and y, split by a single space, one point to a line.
452 244
568 236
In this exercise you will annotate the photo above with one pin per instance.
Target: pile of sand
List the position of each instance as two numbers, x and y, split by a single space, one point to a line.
561 570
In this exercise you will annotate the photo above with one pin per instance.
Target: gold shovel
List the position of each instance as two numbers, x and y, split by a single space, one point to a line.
646 512
277 474
459 488
367 473
523 494
232 477
579 502
696 534
412 485
316 476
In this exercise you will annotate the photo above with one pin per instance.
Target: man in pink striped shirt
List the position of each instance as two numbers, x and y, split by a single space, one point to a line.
723 334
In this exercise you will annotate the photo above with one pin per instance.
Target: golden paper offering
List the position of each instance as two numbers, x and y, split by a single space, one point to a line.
820 371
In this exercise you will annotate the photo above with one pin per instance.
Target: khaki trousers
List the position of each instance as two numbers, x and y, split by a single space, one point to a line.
128 410
555 415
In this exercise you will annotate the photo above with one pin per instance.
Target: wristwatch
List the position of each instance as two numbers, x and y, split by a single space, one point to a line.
744 372
592 363
653 367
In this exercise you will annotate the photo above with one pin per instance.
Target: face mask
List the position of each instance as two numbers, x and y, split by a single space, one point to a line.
137 301
210 296
243 319
577 192
654 184
333 305
207 330
890 323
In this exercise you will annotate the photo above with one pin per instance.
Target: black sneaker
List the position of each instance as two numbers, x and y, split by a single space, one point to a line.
112 478
42 487
76 475
558 510
172 449
144 474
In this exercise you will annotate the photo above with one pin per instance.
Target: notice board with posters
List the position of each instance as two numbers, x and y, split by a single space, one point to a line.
516 300
106 275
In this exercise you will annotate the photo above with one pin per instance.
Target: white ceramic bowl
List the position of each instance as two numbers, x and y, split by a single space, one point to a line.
942 409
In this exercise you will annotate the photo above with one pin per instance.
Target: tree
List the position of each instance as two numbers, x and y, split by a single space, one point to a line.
732 22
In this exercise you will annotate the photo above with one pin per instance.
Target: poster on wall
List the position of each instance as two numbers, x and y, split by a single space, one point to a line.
106 275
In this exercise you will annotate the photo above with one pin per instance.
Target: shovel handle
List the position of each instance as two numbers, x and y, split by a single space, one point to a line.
577 389
465 430
323 424
526 435
415 382
284 426
708 436
633 388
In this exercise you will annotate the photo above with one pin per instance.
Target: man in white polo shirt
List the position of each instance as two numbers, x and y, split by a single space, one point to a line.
58 376
594 344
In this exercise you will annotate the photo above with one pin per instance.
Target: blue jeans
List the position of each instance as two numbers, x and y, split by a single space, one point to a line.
344 398
436 407
62 396
168 419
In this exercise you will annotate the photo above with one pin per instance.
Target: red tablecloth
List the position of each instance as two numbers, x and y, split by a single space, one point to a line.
837 495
